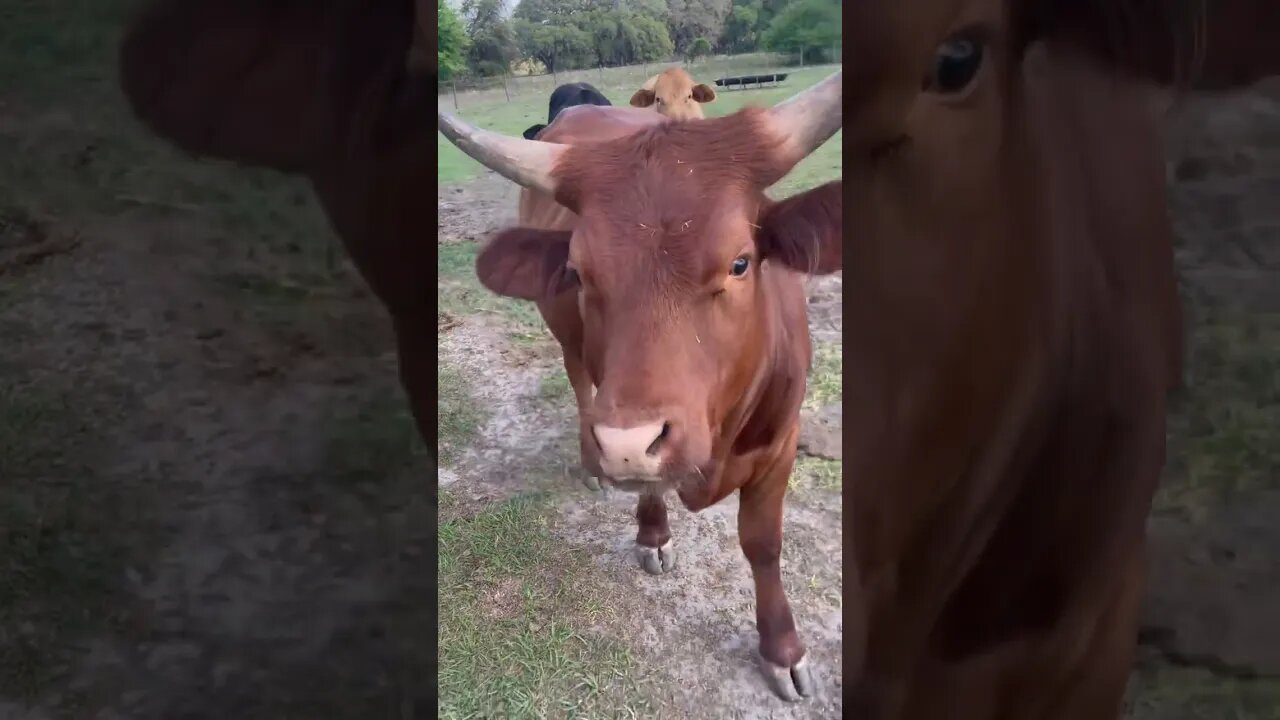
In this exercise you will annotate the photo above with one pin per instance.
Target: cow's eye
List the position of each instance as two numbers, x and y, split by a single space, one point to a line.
739 266
955 64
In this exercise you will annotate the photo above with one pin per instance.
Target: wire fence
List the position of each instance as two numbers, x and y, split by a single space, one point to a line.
463 91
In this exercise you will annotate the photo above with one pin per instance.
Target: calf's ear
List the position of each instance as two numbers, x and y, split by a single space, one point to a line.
643 98
703 93
804 231
527 264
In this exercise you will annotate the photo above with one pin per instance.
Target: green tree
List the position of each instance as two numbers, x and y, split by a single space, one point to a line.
742 28
700 47
452 41
651 38
595 34
492 42
696 18
804 27
557 12
558 47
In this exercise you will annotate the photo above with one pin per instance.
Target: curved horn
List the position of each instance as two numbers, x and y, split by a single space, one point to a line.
525 162
810 117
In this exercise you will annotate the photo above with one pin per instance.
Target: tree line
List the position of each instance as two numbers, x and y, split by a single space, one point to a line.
483 39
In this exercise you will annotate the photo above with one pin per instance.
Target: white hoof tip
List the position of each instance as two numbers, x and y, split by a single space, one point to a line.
657 560
789 683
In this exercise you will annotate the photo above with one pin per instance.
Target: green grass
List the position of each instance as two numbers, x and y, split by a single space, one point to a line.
818 473
460 294
826 381
492 112
1223 430
459 416
554 387
1164 692
511 601
380 437
68 533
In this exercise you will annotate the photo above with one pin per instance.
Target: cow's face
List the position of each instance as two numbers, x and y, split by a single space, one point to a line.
675 95
672 302
674 265
977 134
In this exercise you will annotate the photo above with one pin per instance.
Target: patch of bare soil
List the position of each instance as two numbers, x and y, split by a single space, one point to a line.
286 571
470 211
1215 581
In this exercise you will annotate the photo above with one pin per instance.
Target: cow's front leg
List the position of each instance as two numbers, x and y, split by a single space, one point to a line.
760 534
653 538
583 392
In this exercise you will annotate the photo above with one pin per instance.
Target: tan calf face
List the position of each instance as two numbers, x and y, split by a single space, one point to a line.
673 93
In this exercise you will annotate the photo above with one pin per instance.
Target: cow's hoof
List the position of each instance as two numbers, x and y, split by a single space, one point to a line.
592 483
657 560
790 683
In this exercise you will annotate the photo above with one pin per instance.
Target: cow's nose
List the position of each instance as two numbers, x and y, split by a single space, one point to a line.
632 451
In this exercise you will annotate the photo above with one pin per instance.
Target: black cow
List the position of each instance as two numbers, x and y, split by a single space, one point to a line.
568 95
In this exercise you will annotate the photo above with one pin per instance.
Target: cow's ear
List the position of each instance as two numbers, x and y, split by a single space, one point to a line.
804 231
703 93
643 98
526 263
268 83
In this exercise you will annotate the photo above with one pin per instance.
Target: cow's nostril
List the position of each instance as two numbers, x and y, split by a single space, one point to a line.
657 442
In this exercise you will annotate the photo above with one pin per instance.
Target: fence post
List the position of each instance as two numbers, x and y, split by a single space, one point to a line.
454 84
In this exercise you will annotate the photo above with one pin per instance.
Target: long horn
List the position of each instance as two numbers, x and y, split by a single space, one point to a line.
810 117
525 162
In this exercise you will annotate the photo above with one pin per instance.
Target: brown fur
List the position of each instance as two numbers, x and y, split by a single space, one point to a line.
1011 322
662 209
673 93
1012 328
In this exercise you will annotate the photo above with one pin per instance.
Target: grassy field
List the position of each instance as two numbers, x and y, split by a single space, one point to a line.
512 622
492 111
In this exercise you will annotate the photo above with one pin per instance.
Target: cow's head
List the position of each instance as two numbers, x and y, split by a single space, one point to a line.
675 95
675 261
998 154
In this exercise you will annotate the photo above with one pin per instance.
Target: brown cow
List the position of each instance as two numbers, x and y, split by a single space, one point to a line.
674 286
673 93
1013 328
1010 293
